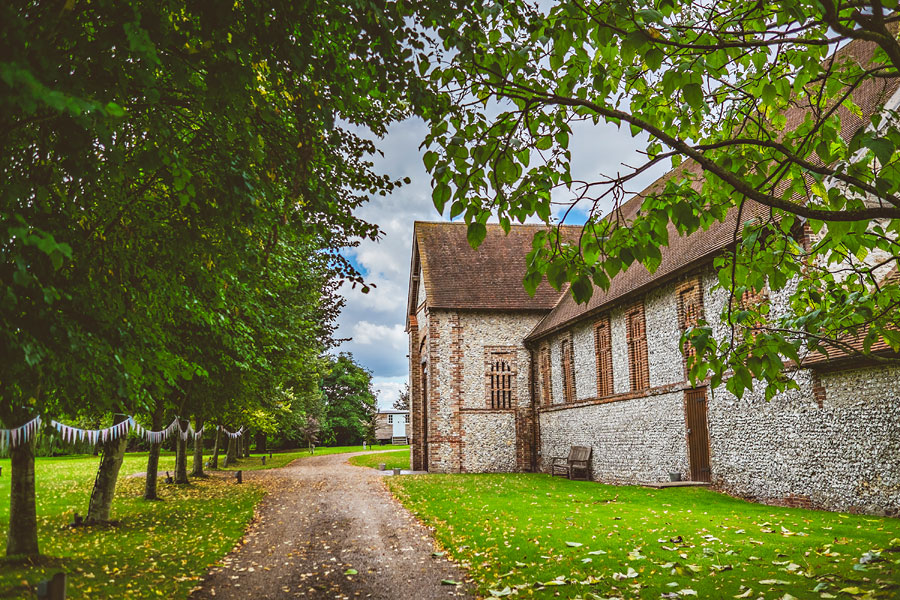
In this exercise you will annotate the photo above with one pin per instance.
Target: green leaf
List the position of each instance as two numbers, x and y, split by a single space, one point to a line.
476 233
114 110
693 95
883 149
440 196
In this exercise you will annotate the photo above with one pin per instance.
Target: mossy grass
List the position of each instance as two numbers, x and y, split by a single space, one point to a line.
280 459
391 460
157 549
544 537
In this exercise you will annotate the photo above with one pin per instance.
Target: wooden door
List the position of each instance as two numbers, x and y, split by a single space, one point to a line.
697 433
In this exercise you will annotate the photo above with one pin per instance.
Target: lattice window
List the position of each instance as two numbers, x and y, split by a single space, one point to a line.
568 370
603 347
501 379
390 419
546 381
638 364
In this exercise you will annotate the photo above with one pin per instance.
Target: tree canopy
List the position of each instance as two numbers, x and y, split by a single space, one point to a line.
782 113
177 183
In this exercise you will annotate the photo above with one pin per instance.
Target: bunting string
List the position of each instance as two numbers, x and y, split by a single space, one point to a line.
12 438
232 435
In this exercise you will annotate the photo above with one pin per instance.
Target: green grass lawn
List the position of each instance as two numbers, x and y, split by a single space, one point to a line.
159 549
392 460
544 537
280 459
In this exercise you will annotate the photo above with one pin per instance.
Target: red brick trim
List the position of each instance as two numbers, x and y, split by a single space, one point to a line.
818 389
545 369
638 359
567 368
509 355
689 298
603 352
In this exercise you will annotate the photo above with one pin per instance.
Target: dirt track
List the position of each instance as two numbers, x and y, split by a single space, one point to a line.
323 518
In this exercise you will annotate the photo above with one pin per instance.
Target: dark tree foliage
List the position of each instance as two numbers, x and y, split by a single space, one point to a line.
349 401
176 183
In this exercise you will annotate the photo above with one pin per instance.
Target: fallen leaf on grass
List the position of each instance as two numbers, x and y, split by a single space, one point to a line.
746 594
629 575
853 591
574 544
450 582
773 582
501 593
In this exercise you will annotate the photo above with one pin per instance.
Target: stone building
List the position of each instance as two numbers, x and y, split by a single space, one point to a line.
501 381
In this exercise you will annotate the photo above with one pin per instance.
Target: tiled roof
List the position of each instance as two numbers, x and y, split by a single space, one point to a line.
488 278
685 252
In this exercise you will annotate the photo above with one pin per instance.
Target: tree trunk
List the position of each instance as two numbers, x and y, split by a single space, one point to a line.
261 442
239 446
245 440
230 455
22 535
107 475
197 471
153 456
214 461
180 455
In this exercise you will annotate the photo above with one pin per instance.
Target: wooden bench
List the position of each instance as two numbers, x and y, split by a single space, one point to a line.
578 462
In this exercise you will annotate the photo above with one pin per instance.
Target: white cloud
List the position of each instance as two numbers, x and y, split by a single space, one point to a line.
388 390
384 336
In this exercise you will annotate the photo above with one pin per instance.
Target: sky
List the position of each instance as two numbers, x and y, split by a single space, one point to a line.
375 321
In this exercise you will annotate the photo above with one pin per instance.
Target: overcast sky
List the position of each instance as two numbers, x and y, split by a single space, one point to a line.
375 321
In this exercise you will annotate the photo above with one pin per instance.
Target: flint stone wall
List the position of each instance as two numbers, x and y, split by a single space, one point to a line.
489 442
842 456
634 441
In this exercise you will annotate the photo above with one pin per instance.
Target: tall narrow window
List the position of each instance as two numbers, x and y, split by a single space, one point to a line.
603 347
501 378
638 365
690 310
568 370
546 382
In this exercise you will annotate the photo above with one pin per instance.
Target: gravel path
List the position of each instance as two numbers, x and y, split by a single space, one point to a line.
323 517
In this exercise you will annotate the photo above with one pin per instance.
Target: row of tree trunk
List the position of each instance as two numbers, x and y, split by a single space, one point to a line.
22 531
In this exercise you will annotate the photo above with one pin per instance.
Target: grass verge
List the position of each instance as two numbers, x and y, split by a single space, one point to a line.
158 549
535 536
391 460
280 459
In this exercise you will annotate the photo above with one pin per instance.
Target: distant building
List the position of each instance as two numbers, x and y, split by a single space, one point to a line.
391 426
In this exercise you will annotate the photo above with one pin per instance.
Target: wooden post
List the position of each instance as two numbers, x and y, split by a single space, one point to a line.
239 475
53 589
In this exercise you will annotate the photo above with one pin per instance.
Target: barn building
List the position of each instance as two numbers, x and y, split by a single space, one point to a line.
502 381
